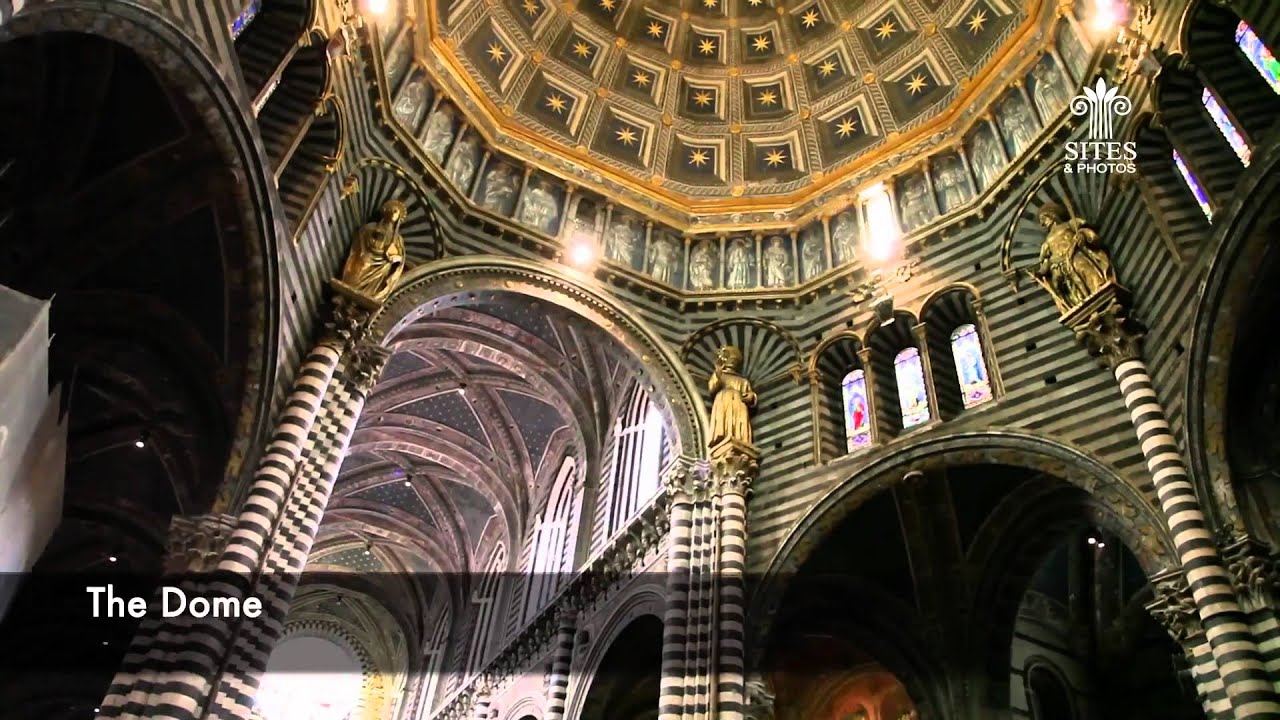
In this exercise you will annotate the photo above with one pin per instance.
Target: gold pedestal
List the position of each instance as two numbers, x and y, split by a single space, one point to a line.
1102 322
734 464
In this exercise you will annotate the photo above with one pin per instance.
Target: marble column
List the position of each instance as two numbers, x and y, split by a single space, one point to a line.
733 468
1255 571
561 662
683 486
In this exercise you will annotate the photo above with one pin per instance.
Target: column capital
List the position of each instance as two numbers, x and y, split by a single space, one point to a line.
195 542
734 466
363 365
683 481
1174 608
1254 567
1105 326
348 323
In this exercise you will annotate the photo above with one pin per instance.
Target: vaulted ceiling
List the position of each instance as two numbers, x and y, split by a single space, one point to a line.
721 104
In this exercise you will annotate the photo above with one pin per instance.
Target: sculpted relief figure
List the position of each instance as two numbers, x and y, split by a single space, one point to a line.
987 158
953 182
662 258
739 264
844 236
1019 124
702 266
499 189
777 264
731 399
917 210
811 261
1073 264
1050 94
439 133
410 101
376 259
620 240
539 210
462 166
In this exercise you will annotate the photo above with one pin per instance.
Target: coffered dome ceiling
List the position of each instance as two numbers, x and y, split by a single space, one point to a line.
719 108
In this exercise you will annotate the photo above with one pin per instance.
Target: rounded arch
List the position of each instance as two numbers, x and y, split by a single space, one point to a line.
182 65
456 281
376 180
637 619
1047 688
1243 240
830 363
1134 520
770 354
963 373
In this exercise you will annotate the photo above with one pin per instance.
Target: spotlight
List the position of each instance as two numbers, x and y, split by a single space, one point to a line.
376 7
408 484
582 253
1107 15
139 443
1093 540
462 389
111 558
882 228
1101 544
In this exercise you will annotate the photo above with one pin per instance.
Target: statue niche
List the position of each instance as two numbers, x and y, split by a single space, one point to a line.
731 399
1073 264
376 259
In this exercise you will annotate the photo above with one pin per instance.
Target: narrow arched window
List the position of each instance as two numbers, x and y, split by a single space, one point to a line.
484 600
971 366
638 446
1259 55
857 412
913 398
434 661
1193 184
1048 695
1226 126
553 541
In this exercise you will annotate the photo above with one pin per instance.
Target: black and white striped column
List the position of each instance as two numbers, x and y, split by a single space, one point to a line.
561 663
1235 652
731 648
167 670
675 617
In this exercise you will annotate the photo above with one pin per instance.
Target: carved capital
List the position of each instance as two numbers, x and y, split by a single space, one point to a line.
734 466
348 325
196 542
1254 568
1175 610
1104 325
683 479
364 364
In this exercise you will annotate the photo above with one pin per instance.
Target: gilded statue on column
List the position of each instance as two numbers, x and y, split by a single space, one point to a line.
732 398
376 259
1073 264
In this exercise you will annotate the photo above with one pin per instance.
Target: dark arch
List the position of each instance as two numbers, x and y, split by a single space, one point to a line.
945 312
1048 695
830 363
625 684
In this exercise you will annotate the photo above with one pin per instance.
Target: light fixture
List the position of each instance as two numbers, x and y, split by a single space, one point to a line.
1107 15
582 253
111 558
376 8
883 233
462 389
1093 540
408 483
1101 544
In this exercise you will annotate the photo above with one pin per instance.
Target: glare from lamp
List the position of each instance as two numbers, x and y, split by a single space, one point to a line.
1101 544
139 443
1107 15
883 233
377 8
582 254
1093 540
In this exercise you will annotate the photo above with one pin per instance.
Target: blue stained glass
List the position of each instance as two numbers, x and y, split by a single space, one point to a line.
912 396
857 412
246 16
1259 54
1226 127
1193 184
966 349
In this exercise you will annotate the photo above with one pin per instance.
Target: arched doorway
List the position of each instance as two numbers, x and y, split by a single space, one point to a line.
310 678
123 208
960 578
625 684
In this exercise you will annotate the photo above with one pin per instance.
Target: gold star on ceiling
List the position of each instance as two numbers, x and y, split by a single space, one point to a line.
655 30
760 43
916 84
531 7
886 30
641 78
626 135
707 46
755 3
978 22
702 98
710 4
847 127
582 50
496 52
809 19
556 102
827 67
775 157
767 98
698 158
608 5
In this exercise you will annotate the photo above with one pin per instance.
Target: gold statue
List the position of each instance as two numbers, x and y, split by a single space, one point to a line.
731 396
1073 264
376 259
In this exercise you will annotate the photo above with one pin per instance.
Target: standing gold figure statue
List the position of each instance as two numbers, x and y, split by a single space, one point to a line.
1073 264
376 260
731 397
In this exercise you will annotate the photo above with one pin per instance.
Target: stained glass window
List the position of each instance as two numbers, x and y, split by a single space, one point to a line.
245 17
857 412
1193 184
912 396
1226 127
971 369
1259 54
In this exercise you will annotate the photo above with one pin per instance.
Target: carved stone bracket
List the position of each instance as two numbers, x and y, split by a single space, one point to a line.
364 365
1103 323
349 324
196 542
1175 610
734 466
1255 569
